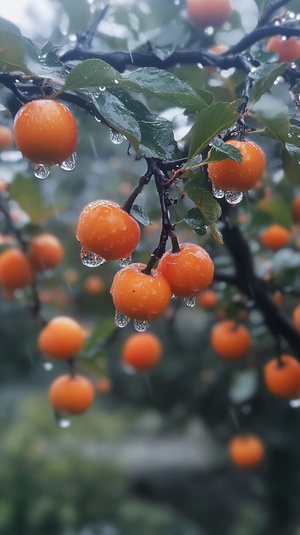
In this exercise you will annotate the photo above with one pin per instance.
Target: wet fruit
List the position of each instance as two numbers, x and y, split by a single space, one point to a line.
73 395
275 237
282 376
45 251
61 338
15 269
246 451
230 340
203 13
141 351
287 49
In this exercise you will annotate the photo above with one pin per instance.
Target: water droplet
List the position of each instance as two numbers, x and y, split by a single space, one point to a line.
233 197
295 403
116 137
116 81
48 366
217 192
102 88
70 163
90 259
189 301
123 262
141 325
121 320
62 420
41 171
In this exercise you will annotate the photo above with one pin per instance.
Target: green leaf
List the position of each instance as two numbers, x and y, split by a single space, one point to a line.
277 125
278 210
91 73
293 145
265 77
140 215
210 122
18 53
195 221
207 205
223 151
118 117
25 191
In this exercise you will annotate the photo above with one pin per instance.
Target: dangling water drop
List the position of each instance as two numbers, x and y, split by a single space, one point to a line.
90 259
62 421
121 320
116 137
41 171
48 366
233 196
141 325
123 262
70 163
189 301
217 192
102 88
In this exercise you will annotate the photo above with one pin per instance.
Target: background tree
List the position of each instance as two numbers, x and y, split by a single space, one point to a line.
180 120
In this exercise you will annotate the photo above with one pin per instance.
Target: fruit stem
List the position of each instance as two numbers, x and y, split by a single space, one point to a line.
147 270
72 367
145 179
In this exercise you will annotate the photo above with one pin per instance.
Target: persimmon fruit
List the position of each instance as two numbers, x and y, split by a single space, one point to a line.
246 451
61 338
230 340
141 351
73 395
203 13
282 376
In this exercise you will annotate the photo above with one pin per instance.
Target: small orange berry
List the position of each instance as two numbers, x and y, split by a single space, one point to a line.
230 175
45 132
6 138
73 395
187 271
287 49
230 340
141 351
107 230
207 299
15 270
275 237
138 295
246 451
296 209
203 13
45 251
104 385
283 379
296 317
61 338
94 284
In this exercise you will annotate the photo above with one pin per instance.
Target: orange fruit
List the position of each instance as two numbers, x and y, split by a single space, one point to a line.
296 317
203 13
15 269
6 137
275 237
104 385
296 209
106 229
229 175
138 295
45 251
246 451
94 284
71 394
283 380
230 340
287 49
141 351
45 131
187 271
61 338
207 299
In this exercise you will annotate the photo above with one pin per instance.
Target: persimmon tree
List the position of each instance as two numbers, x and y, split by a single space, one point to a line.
213 140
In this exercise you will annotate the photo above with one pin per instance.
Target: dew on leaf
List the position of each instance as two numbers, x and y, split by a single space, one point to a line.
116 137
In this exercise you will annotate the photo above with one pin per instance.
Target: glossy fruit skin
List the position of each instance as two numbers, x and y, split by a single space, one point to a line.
140 296
15 269
73 395
45 251
6 138
283 381
61 338
106 229
275 237
246 451
229 175
188 271
230 340
45 131
287 49
203 13
141 351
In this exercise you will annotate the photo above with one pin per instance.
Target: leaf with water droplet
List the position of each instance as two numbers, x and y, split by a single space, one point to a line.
264 78
195 221
222 151
208 206
116 137
140 215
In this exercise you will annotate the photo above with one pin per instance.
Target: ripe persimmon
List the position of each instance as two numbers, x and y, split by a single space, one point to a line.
296 317
138 295
61 338
287 49
107 230
187 271
296 209
6 137
207 299
93 284
141 351
203 13
275 237
15 269
73 395
230 340
246 451
230 175
45 131
282 377
45 251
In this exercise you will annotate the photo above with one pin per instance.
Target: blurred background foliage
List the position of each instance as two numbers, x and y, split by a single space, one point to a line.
151 455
